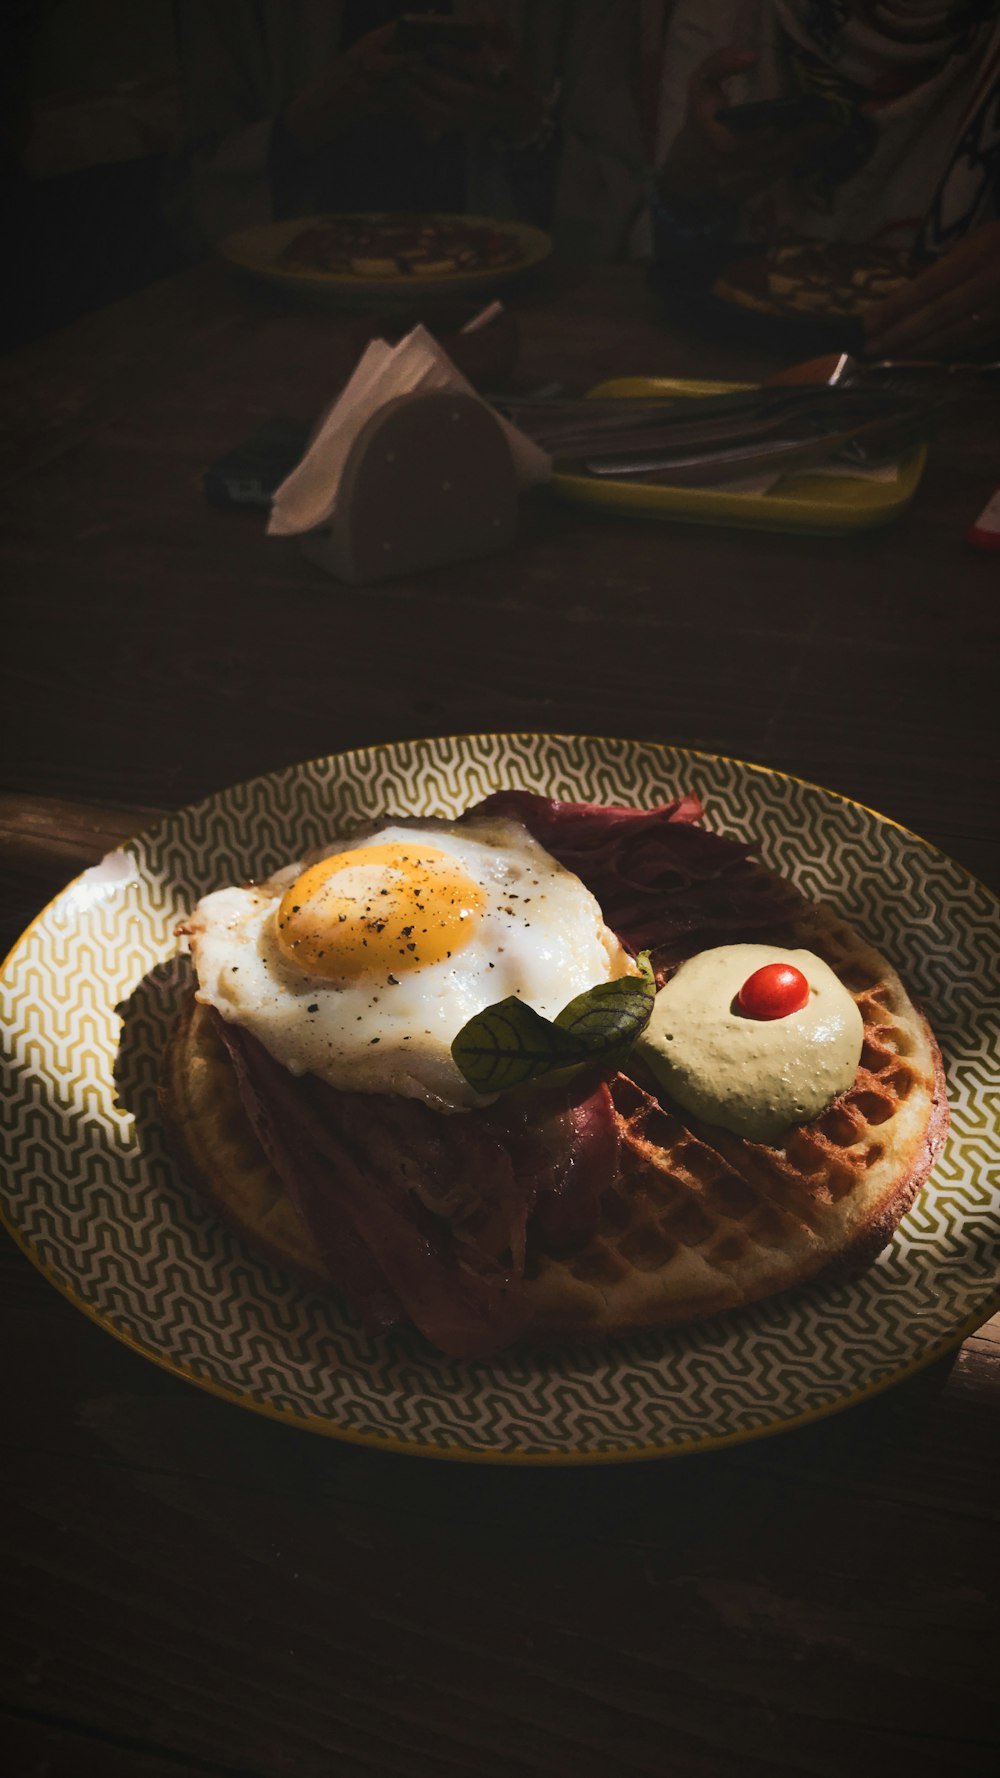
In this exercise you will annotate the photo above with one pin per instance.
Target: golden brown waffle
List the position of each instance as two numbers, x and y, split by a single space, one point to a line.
696 1220
217 1151
699 1220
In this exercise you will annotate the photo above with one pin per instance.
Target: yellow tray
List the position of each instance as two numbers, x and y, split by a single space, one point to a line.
800 501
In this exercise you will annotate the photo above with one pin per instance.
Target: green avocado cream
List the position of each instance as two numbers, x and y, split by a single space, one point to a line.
755 1077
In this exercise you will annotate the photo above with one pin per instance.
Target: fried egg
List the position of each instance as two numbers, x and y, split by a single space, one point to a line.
362 963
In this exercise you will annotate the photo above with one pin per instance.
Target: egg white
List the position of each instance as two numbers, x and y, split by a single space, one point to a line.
540 936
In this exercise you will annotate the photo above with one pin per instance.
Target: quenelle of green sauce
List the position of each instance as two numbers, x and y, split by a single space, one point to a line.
755 1077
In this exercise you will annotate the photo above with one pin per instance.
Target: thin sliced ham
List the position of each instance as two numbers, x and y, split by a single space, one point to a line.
657 876
426 1217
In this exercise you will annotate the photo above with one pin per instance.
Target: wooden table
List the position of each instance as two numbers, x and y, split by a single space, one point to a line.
189 1588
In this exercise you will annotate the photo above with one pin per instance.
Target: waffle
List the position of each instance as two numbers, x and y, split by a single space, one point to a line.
696 1220
213 1142
699 1220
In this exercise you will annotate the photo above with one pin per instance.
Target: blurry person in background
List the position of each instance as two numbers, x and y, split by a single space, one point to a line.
89 117
897 143
298 107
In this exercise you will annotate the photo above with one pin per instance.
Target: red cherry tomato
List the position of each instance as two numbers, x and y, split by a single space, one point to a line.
773 992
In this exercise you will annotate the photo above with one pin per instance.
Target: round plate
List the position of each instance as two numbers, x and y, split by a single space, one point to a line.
737 296
91 988
258 250
695 302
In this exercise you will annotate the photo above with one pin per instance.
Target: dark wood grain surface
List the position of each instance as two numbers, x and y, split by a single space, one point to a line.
190 1588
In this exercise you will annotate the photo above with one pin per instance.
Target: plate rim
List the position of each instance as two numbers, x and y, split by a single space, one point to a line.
465 1452
516 1457
536 246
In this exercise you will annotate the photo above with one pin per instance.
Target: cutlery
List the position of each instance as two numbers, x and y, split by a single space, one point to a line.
725 462
837 369
695 433
637 423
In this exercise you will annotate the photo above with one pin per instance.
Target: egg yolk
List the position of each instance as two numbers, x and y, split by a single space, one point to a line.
390 908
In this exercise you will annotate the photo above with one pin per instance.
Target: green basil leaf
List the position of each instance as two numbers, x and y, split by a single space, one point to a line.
508 1045
613 1014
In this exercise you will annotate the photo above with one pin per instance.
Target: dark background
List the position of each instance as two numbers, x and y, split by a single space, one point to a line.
91 107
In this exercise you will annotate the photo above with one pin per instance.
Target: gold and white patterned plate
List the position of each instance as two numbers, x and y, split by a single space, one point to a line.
93 1199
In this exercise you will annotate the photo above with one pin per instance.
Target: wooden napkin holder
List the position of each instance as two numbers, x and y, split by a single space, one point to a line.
428 480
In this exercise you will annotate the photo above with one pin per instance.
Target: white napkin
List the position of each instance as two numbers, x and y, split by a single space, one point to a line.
307 498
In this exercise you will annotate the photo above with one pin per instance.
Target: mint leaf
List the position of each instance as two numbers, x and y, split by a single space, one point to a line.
508 1045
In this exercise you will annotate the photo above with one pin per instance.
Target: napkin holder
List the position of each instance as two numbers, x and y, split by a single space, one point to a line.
429 479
